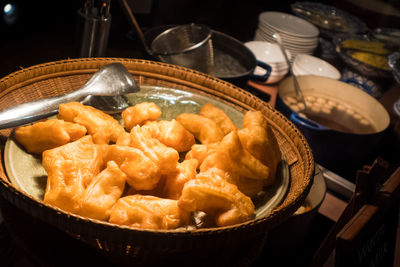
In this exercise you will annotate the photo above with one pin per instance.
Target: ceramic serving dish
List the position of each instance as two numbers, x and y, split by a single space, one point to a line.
328 18
170 86
26 172
380 71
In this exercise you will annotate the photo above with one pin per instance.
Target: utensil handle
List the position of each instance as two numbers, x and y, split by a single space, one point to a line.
35 110
135 24
296 118
264 77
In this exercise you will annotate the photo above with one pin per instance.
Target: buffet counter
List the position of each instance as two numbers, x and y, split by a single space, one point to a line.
47 245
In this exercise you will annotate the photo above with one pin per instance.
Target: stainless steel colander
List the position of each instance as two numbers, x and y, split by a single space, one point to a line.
185 45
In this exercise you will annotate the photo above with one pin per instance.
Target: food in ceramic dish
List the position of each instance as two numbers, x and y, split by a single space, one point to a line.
369 59
377 61
331 114
48 134
366 46
371 52
328 17
89 178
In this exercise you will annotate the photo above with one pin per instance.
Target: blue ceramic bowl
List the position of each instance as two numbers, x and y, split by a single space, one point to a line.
368 85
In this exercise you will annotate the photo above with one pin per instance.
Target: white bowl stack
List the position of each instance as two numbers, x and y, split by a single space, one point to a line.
298 35
271 54
309 65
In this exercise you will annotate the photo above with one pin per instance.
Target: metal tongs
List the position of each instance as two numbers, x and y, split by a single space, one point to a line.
100 91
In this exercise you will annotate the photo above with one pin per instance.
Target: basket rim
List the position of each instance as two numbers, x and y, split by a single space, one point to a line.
68 66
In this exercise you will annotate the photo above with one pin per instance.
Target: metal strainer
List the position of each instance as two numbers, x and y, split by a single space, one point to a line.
185 45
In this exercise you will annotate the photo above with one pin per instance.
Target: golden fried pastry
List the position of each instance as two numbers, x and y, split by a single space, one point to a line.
142 172
135 178
172 134
231 156
124 139
257 137
103 192
64 188
140 113
212 194
148 212
103 127
186 170
210 111
200 152
70 168
165 157
242 169
48 134
204 129
157 191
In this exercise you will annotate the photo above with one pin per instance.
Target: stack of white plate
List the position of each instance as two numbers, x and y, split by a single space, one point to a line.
298 35
308 65
271 54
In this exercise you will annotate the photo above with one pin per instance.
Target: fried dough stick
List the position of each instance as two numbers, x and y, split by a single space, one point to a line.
200 152
48 134
148 212
70 168
142 172
140 113
174 182
103 127
241 168
257 138
165 157
204 129
104 191
212 194
210 111
172 134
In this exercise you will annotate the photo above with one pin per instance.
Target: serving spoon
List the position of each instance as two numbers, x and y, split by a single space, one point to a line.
297 89
104 90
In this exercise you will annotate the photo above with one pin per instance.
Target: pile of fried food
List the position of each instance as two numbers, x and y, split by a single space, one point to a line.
150 173
374 53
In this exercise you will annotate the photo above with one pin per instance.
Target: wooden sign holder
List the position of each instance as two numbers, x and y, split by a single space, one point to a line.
365 233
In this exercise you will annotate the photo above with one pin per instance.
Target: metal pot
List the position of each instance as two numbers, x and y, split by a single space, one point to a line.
294 231
348 135
233 61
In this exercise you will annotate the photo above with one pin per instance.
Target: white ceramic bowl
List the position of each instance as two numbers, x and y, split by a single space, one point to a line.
270 54
311 65
298 71
267 52
288 24
274 77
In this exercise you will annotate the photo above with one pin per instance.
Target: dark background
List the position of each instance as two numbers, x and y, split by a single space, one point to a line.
45 30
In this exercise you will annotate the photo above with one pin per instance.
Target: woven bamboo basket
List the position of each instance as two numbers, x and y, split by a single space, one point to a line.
124 245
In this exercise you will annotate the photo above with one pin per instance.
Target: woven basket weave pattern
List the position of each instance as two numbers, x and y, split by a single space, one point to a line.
60 77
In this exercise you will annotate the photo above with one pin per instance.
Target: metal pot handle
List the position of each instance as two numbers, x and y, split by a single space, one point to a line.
296 118
264 77
365 87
